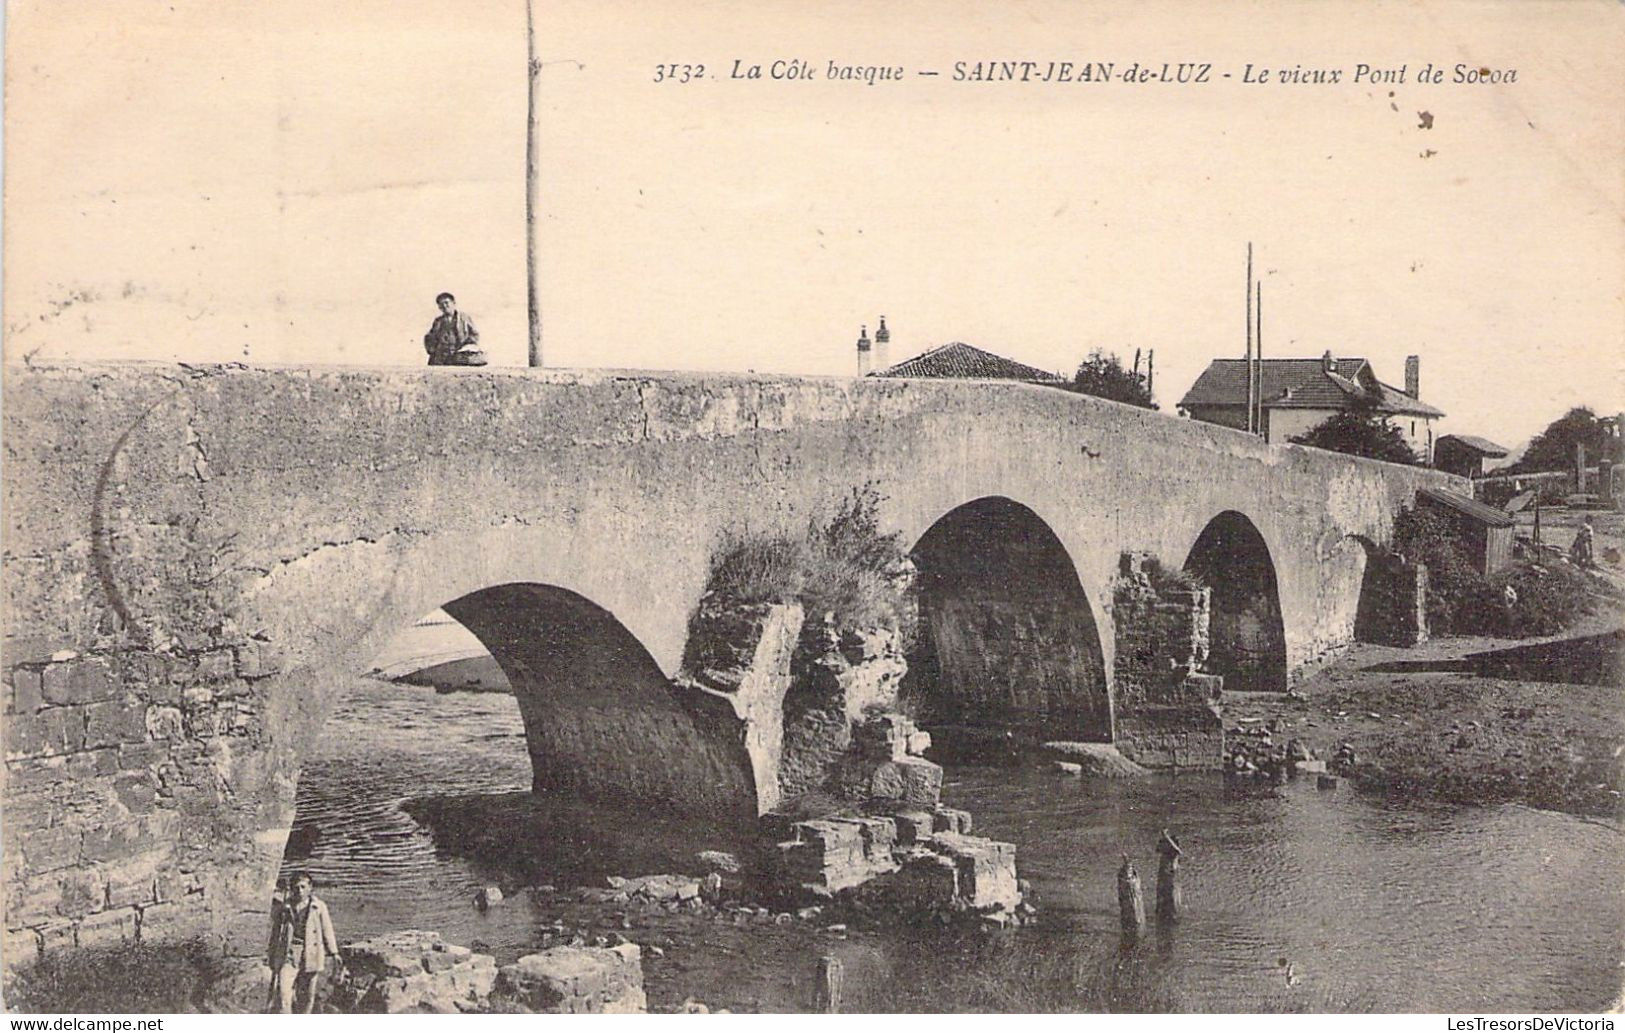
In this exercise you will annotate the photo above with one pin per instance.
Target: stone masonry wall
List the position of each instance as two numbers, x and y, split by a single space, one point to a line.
1164 704
128 776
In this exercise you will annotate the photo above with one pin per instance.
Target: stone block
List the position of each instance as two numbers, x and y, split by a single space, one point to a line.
35 773
1178 737
94 764
250 661
107 928
879 835
81 891
926 882
442 956
913 780
150 671
57 936
913 826
20 947
32 899
119 842
1309 767
172 921
883 737
115 722
137 791
217 665
718 861
27 690
51 849
576 980
135 882
164 722
76 681
918 743
952 819
171 884
26 736
831 840
54 731
132 756
658 887
986 870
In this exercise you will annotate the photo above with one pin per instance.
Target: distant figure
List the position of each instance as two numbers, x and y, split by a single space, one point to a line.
452 339
1585 544
302 938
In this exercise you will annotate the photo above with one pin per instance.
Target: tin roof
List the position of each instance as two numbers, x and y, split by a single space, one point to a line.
1471 508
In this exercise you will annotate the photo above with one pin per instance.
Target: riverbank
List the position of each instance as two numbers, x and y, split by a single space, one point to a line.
1448 734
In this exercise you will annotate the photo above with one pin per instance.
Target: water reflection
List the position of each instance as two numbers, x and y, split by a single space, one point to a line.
1374 907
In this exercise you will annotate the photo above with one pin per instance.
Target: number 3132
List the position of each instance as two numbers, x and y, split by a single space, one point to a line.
679 73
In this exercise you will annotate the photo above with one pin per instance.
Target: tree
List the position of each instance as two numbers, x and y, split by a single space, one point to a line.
1102 375
1360 432
1553 448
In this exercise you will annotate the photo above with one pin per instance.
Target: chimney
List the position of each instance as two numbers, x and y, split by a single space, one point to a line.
1413 375
1328 363
863 352
882 346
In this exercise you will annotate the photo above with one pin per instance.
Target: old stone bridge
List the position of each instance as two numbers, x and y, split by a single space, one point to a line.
198 559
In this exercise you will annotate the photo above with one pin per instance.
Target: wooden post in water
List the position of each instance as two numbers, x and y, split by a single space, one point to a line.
1169 900
827 995
1130 901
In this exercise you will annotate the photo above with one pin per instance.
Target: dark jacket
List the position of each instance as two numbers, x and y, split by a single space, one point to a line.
449 335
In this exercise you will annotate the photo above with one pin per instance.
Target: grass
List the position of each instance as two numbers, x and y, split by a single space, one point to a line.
842 566
143 978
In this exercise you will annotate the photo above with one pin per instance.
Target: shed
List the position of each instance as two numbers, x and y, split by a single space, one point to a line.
1464 455
1487 531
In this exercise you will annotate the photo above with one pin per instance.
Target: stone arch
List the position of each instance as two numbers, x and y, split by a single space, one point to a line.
1247 633
1007 637
601 718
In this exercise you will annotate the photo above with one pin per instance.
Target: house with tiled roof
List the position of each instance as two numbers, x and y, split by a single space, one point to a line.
1296 395
960 360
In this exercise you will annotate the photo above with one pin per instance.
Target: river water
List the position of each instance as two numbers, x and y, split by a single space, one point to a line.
1296 899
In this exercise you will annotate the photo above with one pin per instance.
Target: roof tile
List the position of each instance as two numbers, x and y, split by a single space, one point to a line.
964 361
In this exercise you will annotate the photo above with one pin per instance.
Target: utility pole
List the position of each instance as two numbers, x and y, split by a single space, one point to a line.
533 68
1250 427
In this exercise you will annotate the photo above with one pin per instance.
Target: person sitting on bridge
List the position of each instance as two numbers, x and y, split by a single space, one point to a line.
302 938
452 339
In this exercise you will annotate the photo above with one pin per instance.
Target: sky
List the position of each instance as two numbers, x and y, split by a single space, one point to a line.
294 182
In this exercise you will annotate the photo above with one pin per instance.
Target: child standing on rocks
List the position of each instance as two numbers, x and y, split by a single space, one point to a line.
302 938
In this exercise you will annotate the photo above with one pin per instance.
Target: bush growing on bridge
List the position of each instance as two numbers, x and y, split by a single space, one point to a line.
843 566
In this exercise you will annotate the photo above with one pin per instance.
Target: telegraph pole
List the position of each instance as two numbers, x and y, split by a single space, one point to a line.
533 70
